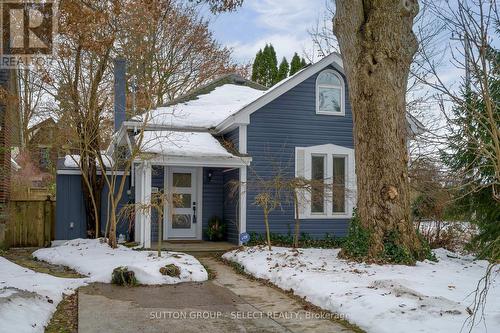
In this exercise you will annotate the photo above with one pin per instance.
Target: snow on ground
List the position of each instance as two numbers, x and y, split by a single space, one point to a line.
28 299
97 260
429 297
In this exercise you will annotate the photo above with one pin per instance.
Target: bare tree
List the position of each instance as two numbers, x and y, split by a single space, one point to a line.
174 53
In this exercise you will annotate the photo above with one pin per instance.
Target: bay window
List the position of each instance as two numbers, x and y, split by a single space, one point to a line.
330 169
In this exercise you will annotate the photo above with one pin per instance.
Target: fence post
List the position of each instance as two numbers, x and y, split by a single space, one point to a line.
47 221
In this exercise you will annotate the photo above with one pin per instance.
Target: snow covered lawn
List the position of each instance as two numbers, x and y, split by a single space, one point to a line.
97 260
28 299
429 297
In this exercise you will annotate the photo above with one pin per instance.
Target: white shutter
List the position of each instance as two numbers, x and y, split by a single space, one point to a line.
300 167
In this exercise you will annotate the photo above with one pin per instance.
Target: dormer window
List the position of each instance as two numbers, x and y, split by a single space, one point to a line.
330 94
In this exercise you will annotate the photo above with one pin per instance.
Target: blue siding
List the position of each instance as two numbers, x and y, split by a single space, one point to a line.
275 130
124 223
70 208
231 218
213 196
158 181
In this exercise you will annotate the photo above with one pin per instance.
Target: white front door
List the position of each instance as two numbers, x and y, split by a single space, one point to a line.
182 217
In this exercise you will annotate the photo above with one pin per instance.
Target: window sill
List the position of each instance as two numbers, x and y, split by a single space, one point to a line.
341 114
326 217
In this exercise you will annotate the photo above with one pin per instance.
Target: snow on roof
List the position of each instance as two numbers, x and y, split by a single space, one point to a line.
73 161
206 110
40 118
189 144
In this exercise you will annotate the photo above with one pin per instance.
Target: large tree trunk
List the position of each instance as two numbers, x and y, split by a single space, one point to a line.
377 45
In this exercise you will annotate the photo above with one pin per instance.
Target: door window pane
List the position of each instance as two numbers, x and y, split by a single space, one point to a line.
317 190
181 179
181 200
338 190
181 221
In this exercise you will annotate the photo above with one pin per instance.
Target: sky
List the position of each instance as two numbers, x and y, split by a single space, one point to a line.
284 23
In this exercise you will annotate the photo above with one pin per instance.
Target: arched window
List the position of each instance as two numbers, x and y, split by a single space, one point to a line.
330 93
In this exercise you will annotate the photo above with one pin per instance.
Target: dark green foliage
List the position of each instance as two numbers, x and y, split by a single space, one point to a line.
356 246
466 156
393 252
303 63
216 229
123 277
296 64
283 70
265 70
257 67
171 270
305 241
357 242
265 67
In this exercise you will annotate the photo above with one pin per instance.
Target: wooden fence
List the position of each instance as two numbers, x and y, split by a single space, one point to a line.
31 221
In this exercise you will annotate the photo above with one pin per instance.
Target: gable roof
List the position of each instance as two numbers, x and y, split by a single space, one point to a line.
228 101
243 115
207 106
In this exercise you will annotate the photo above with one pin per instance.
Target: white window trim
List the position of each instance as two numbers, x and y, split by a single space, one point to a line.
342 94
328 150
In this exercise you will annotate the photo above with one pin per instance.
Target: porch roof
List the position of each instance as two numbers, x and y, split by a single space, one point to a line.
187 148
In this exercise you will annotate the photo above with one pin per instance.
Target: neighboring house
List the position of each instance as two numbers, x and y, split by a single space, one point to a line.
43 143
304 123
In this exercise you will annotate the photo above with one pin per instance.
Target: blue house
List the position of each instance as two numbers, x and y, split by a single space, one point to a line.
233 131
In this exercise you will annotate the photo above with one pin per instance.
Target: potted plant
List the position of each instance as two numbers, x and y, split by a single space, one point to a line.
216 229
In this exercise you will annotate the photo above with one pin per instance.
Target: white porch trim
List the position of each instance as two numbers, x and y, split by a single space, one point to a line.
243 202
143 194
214 162
242 139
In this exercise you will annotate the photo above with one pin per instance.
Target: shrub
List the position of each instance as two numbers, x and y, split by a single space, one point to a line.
123 277
357 242
305 240
171 270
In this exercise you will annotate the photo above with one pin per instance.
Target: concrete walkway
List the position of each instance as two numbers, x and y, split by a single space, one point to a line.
229 303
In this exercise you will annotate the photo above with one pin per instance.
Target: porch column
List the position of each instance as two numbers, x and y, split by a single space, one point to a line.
243 202
138 179
147 202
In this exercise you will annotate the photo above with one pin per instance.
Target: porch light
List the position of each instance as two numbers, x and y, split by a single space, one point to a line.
209 175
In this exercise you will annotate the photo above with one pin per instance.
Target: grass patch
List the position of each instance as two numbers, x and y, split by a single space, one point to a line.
307 306
23 257
65 319
171 270
211 273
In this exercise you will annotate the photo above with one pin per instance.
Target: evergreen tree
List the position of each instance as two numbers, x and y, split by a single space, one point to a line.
295 64
271 66
265 67
257 67
476 201
283 70
303 63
